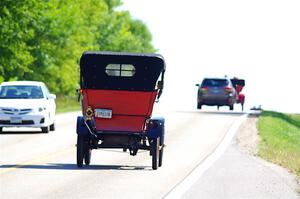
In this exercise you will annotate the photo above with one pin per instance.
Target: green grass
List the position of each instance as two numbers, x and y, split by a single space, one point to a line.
67 104
280 139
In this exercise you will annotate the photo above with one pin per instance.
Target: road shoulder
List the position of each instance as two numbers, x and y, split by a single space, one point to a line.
247 141
240 174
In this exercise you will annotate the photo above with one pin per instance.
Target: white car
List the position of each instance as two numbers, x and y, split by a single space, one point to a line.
27 104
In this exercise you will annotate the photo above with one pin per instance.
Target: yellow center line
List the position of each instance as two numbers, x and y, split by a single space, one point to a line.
39 160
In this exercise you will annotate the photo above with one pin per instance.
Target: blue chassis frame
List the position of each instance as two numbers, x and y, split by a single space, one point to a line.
87 129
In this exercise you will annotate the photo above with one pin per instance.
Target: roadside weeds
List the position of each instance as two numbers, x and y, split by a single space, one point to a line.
249 141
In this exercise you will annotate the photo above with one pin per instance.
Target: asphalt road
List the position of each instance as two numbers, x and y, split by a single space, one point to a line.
237 175
36 165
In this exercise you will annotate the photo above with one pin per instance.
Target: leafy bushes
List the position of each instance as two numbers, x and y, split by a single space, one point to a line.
43 40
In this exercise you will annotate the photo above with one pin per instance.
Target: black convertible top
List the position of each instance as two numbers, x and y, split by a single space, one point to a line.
94 70
240 82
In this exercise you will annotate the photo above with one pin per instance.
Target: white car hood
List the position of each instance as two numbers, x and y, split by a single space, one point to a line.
23 103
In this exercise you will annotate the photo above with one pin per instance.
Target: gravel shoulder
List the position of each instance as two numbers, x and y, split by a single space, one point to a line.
247 137
239 173
247 140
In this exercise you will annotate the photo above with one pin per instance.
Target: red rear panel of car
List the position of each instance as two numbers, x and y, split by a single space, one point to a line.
129 108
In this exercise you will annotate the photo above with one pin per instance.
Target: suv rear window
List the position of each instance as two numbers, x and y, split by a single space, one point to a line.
215 82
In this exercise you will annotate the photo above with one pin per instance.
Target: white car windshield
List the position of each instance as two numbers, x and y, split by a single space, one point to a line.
21 92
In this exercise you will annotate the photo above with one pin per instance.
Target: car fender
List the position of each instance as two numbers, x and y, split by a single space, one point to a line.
241 98
81 128
157 129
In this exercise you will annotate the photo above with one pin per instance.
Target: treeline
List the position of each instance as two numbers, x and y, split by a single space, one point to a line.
43 39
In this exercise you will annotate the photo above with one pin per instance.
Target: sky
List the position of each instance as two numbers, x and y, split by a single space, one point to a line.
257 40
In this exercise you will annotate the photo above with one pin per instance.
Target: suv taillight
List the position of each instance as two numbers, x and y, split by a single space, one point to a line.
228 89
204 89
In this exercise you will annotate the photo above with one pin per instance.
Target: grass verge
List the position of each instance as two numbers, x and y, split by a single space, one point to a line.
67 104
280 139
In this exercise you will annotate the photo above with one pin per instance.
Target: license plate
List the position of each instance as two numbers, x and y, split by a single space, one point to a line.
103 113
15 120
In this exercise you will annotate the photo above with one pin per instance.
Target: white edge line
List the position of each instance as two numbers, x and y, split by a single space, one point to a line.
185 185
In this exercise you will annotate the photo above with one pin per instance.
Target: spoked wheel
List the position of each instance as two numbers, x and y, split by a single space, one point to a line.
87 154
161 152
155 152
80 150
83 151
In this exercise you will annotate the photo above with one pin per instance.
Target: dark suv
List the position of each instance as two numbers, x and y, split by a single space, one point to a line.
216 92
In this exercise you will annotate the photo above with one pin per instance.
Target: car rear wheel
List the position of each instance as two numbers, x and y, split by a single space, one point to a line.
199 106
1 129
80 145
45 129
155 152
87 154
161 152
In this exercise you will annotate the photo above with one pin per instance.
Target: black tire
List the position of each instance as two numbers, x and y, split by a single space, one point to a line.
199 106
160 159
231 107
52 127
155 153
1 129
87 154
80 152
45 129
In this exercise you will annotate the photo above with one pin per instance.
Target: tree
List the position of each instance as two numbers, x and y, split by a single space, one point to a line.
43 40
18 19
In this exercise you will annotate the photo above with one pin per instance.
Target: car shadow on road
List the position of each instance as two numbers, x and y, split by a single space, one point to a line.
215 112
59 166
222 112
20 132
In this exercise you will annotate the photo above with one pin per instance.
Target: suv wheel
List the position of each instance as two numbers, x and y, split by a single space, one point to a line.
199 106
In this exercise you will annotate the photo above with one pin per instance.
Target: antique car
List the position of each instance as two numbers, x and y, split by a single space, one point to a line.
238 85
220 92
117 94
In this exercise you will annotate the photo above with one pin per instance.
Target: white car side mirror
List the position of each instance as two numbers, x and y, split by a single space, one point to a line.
51 96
